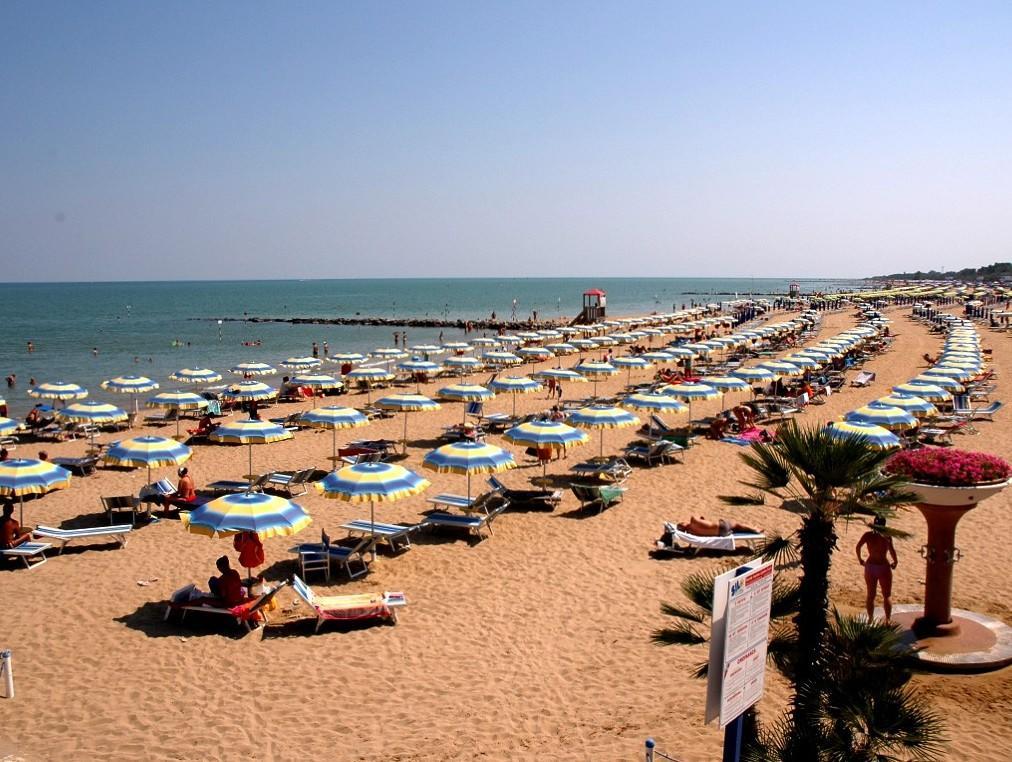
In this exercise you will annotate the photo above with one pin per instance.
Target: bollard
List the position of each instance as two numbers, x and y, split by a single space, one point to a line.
7 670
650 749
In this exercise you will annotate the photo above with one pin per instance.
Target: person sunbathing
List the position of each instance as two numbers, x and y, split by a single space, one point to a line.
204 427
11 532
703 527
185 494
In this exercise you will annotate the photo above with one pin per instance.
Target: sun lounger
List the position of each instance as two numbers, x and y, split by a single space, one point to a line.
451 501
349 608
122 503
654 451
222 486
864 378
290 482
657 428
523 496
248 614
692 543
160 418
979 413
396 536
83 466
322 555
32 554
601 495
473 524
117 532
609 469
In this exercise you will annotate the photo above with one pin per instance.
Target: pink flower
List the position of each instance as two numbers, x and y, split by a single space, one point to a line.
948 467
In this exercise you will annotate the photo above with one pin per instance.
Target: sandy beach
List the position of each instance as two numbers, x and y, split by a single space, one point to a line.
532 644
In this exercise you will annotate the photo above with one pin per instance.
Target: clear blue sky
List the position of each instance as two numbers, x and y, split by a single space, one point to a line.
144 140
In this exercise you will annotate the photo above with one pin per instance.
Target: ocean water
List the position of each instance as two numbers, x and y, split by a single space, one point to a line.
134 325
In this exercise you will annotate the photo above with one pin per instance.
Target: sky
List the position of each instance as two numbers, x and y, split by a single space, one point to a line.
193 140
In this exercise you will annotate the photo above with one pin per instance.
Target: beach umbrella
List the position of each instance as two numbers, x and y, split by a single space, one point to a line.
802 361
515 385
146 452
334 417
465 393
196 376
655 403
725 384
821 357
964 363
925 390
8 425
130 385
301 363
250 391
249 432
959 374
318 382
484 341
247 369
561 348
690 392
944 381
456 346
875 436
407 403
602 417
584 344
92 412
916 406
595 371
264 515
629 363
501 358
389 354
560 374
888 417
545 435
254 516
58 390
369 376
753 375
534 354
550 333
469 458
463 363
24 476
372 483
347 357
418 367
428 349
682 353
177 400
782 368
659 356
509 339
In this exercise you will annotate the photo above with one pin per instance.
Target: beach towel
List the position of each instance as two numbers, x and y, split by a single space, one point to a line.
362 606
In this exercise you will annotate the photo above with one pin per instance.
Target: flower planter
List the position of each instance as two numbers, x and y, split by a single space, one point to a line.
966 497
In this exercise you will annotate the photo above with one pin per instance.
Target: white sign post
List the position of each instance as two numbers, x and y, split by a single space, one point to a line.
738 637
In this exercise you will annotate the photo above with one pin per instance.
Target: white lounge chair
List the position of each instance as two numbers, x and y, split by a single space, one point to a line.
397 536
473 524
299 480
349 608
117 532
451 501
27 551
693 542
864 378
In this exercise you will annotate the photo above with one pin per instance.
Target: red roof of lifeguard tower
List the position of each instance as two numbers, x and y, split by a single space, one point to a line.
594 292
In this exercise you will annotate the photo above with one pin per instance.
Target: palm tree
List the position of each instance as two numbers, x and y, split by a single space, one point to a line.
821 479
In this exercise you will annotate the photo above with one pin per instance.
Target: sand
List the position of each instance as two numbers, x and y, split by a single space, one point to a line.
532 644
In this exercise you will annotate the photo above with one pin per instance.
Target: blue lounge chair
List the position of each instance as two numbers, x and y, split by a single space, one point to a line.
396 536
473 524
27 551
117 532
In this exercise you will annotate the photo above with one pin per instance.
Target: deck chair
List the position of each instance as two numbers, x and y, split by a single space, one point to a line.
656 429
396 536
81 466
978 413
315 554
601 495
117 533
290 482
237 485
473 524
249 614
349 608
683 542
656 451
122 503
523 496
32 554
864 378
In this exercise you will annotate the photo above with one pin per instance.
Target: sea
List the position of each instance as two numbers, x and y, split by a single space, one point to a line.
87 332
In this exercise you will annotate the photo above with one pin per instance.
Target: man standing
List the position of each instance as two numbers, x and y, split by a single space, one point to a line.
878 570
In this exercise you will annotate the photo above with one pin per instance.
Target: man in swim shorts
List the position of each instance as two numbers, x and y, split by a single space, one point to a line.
878 570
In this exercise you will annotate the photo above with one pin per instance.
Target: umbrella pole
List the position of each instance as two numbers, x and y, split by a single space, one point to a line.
405 440
372 527
250 445
602 443
469 486
21 501
177 423
514 404
334 449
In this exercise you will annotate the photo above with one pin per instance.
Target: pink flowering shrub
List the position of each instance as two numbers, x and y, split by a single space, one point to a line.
948 467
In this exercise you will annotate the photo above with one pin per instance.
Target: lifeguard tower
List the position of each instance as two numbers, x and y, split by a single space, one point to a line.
594 302
794 290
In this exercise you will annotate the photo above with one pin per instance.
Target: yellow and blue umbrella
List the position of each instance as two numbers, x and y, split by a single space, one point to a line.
501 358
177 400
316 381
815 354
515 385
561 348
264 515
656 403
469 458
351 357
959 374
561 374
129 385
24 476
463 363
58 390
465 393
418 368
372 483
802 361
456 345
876 436
407 403
946 382
484 341
690 392
370 376
8 425
301 363
196 376
250 432
535 354
249 391
247 369
888 417
782 368
334 417
147 452
595 371
93 412
546 435
602 417
659 356
916 406
924 389
629 363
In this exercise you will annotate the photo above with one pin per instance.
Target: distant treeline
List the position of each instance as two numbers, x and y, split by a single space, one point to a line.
988 272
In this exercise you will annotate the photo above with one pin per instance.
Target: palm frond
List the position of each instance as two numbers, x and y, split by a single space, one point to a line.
682 634
782 551
678 612
740 500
